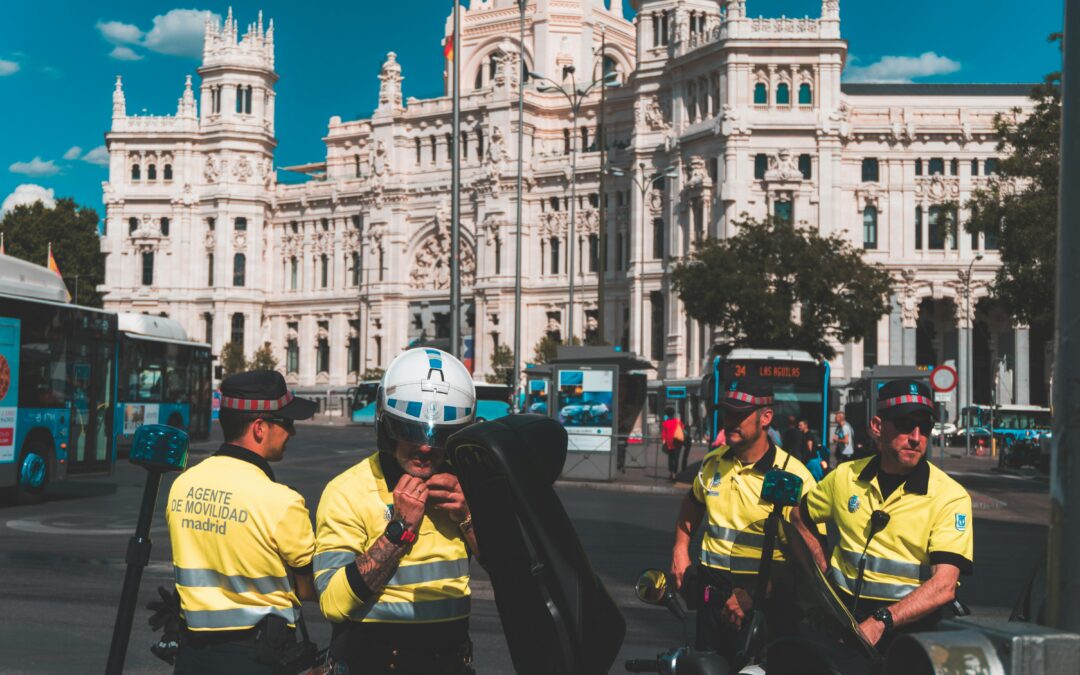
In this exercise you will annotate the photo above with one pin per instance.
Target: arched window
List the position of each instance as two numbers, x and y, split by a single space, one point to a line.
870 170
133 224
806 165
869 219
566 141
148 268
761 94
356 166
584 139
355 269
240 224
594 253
151 172
418 148
554 255
554 203
479 144
167 172
247 101
210 270
294 273
478 83
325 222
937 166
761 165
292 356
658 238
136 172
237 336
783 94
211 223
918 167
324 261
164 227
464 146
239 269
806 94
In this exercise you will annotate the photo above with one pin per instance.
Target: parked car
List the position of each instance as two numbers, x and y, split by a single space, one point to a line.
948 429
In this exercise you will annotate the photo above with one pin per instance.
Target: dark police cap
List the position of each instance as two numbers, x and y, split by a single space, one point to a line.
264 391
898 398
747 393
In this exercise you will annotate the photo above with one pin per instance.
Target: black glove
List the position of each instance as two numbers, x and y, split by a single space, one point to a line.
166 615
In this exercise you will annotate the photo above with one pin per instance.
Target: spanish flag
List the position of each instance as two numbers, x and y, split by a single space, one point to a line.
52 263
448 49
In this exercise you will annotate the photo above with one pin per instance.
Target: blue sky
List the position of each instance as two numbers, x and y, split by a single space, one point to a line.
58 61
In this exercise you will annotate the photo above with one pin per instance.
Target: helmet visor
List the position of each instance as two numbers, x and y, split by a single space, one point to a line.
416 432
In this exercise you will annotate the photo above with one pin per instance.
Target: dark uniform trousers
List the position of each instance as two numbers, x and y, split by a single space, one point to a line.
389 649
713 634
213 657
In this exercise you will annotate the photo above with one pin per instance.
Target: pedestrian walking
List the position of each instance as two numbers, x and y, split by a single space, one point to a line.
673 440
242 543
902 527
843 439
395 532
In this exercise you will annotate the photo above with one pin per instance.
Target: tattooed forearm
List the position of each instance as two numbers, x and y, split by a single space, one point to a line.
379 563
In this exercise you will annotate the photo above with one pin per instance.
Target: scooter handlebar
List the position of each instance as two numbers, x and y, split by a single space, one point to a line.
642 666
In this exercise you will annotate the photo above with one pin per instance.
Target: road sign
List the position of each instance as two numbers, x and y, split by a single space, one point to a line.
943 379
943 397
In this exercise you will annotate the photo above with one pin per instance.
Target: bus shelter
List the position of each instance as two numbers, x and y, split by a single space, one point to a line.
862 397
597 394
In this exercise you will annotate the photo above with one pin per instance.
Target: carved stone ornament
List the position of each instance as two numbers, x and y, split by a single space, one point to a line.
554 224
699 173
783 167
240 241
490 227
937 188
650 113
242 170
390 82
869 194
376 232
729 123
210 241
211 171
907 296
656 201
431 266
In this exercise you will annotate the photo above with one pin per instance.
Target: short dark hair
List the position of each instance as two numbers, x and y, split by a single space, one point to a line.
235 423
669 411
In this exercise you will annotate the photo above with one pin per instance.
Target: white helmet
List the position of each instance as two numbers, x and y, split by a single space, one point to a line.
424 397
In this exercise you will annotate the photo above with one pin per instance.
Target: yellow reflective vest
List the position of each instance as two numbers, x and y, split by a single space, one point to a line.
735 512
929 523
235 532
431 584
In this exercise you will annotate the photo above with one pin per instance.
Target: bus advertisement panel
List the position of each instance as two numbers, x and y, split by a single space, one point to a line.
9 387
585 406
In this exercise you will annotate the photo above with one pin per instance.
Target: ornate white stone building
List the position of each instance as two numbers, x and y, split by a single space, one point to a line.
342 272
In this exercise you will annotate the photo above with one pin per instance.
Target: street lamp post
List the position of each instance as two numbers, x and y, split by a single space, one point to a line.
517 234
643 185
575 96
968 378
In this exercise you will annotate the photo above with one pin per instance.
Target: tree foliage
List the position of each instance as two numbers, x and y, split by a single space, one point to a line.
502 366
372 374
547 348
232 359
778 286
1019 206
28 230
263 359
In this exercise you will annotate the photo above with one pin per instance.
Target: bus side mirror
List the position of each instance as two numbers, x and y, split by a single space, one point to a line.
834 401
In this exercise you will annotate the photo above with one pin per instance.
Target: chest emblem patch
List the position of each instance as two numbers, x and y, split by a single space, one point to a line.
961 522
853 503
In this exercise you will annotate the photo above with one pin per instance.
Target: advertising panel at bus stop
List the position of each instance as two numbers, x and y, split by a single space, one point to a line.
9 386
585 401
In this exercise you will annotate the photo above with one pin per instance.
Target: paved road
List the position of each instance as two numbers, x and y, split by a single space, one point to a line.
62 561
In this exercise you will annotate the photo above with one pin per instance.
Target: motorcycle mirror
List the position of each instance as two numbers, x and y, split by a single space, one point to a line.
651 587
781 488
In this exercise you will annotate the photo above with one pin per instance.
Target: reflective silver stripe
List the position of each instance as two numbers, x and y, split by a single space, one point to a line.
432 571
870 589
207 578
430 610
326 564
737 536
726 562
244 617
896 568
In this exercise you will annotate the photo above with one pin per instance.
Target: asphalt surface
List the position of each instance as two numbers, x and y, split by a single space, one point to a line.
62 561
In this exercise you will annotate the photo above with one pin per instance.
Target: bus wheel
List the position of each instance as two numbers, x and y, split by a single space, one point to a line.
33 476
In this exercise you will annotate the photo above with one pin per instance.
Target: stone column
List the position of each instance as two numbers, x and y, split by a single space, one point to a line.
1022 367
339 344
896 335
306 345
963 326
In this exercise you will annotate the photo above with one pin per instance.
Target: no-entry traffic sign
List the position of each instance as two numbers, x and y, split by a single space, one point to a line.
943 379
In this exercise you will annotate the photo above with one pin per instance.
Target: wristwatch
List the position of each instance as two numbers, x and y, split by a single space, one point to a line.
398 533
884 616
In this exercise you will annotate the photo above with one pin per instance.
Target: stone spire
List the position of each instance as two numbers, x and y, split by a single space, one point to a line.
390 89
736 9
119 104
186 108
830 9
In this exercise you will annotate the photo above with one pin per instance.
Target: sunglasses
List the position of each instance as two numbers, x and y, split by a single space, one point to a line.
908 423
283 422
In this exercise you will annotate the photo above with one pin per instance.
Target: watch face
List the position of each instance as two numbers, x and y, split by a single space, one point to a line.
394 530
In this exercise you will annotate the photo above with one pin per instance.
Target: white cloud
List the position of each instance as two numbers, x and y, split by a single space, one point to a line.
8 67
73 152
35 167
27 194
98 156
902 68
119 33
122 53
178 32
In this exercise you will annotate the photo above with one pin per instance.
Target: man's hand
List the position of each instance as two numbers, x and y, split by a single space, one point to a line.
444 493
410 497
680 562
736 607
166 618
872 630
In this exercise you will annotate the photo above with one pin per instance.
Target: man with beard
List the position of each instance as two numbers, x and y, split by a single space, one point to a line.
727 491
394 532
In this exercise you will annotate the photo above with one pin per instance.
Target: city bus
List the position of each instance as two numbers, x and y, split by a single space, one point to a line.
492 401
363 401
1009 423
164 378
800 382
57 382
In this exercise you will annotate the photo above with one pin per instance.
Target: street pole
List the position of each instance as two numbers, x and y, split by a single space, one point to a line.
517 234
1063 559
572 238
968 377
455 194
601 239
643 186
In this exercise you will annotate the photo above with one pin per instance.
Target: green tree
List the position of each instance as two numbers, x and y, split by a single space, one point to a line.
232 359
502 363
547 348
779 286
372 374
73 231
263 359
1019 207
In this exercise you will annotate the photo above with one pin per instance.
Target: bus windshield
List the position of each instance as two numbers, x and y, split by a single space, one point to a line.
1012 419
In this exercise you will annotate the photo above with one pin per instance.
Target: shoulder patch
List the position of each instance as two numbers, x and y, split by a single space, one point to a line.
853 503
961 522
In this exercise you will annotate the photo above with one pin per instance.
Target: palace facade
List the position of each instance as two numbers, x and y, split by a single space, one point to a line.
746 115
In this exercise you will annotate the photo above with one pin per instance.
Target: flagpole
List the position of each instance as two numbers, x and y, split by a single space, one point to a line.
455 194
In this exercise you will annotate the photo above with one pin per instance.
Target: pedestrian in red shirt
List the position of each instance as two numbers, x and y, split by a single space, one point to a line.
672 437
